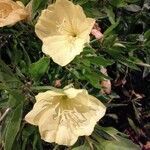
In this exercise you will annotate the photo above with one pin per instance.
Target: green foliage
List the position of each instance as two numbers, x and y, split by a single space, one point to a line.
113 139
106 139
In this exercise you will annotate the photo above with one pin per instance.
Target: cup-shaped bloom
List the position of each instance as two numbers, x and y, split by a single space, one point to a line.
64 29
64 116
11 12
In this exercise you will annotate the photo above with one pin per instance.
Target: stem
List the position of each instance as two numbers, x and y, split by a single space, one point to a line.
56 147
39 88
4 114
89 142
93 41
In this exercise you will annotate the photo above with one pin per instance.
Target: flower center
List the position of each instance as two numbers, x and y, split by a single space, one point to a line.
5 10
68 111
74 35
67 28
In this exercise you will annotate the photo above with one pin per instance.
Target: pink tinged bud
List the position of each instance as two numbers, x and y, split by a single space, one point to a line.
106 84
97 34
58 83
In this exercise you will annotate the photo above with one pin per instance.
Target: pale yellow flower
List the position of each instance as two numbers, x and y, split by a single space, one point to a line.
64 116
64 30
11 12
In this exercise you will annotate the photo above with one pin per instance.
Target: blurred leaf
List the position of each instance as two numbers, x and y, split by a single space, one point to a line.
129 64
7 78
99 60
85 146
137 61
80 2
39 68
133 8
133 126
147 36
132 1
4 68
25 1
118 3
147 69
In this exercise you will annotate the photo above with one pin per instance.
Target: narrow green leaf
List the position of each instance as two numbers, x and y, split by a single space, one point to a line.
110 15
13 127
111 28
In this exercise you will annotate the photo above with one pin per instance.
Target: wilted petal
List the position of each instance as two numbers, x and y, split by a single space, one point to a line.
11 12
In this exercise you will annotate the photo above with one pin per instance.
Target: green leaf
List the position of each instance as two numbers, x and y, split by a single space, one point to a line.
111 131
111 28
8 79
93 78
109 41
137 61
118 3
39 68
122 144
4 68
129 64
38 5
25 1
80 2
110 15
99 60
85 146
13 127
112 139
3 103
147 35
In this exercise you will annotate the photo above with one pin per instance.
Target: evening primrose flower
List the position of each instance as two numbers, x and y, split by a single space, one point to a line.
64 29
63 116
11 12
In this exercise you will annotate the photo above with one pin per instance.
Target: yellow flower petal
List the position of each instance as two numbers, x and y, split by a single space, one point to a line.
11 12
52 130
42 101
64 30
62 49
38 110
64 116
